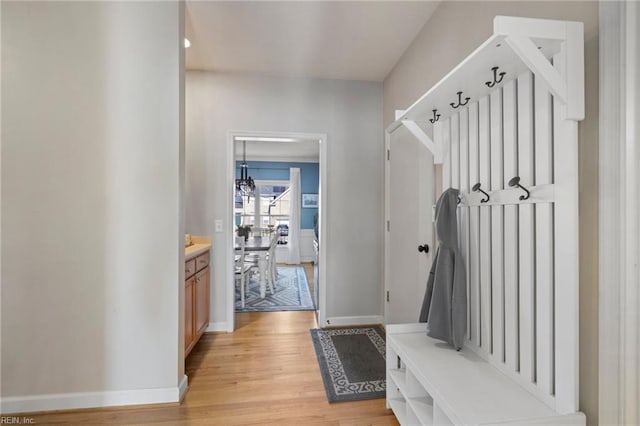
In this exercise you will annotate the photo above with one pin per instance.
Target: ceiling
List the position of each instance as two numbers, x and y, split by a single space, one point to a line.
360 40
299 151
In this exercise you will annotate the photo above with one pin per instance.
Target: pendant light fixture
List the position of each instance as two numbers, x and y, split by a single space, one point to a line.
245 185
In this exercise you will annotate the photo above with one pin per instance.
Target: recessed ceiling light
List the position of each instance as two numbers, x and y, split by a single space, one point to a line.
187 43
264 139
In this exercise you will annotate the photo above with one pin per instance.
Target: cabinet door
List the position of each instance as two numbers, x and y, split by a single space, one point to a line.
202 261
189 268
189 332
202 300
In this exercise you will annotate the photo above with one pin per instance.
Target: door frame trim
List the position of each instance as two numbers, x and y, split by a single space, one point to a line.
322 216
387 220
619 253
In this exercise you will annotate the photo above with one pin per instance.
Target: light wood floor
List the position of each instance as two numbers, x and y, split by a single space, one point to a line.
265 372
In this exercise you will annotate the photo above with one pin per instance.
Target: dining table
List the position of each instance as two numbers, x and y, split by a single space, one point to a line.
259 245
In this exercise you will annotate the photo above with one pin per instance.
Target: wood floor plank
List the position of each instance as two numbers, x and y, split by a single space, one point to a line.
265 372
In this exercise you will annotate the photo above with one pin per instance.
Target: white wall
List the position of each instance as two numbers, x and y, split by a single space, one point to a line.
446 39
350 113
91 175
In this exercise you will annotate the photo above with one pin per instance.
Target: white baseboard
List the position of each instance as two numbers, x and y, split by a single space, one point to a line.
347 321
183 386
80 400
217 326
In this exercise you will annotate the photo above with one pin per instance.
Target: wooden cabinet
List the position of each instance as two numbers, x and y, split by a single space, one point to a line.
202 301
188 314
202 261
189 268
196 300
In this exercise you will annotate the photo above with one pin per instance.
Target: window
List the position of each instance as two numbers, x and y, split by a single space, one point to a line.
272 210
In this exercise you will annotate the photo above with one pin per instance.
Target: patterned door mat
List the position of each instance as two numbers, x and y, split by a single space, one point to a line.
352 362
292 293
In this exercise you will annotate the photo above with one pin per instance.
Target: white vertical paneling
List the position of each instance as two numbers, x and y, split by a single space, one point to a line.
455 161
544 241
437 140
474 229
463 212
510 227
566 249
526 243
484 152
464 151
446 154
455 151
497 228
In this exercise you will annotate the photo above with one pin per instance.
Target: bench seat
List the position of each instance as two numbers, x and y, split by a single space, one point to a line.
429 382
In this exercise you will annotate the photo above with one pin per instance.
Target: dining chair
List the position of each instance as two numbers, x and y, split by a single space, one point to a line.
241 268
271 258
254 258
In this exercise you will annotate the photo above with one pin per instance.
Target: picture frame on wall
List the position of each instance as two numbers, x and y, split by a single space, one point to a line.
309 201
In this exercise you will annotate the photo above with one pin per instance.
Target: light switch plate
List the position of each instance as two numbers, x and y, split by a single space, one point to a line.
218 225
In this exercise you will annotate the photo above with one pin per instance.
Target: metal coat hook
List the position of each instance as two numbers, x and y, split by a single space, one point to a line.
460 103
477 188
435 118
459 199
516 182
496 80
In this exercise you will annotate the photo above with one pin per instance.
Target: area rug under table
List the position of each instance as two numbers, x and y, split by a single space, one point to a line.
352 362
292 293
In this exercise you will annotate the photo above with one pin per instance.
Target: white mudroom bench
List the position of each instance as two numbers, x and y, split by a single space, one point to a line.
505 120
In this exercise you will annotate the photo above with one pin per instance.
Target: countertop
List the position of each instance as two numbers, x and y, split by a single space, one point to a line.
199 246
194 250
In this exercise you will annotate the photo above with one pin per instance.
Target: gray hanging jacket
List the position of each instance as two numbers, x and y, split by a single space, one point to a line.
444 308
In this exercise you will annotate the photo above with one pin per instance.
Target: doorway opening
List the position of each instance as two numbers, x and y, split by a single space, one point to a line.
283 204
